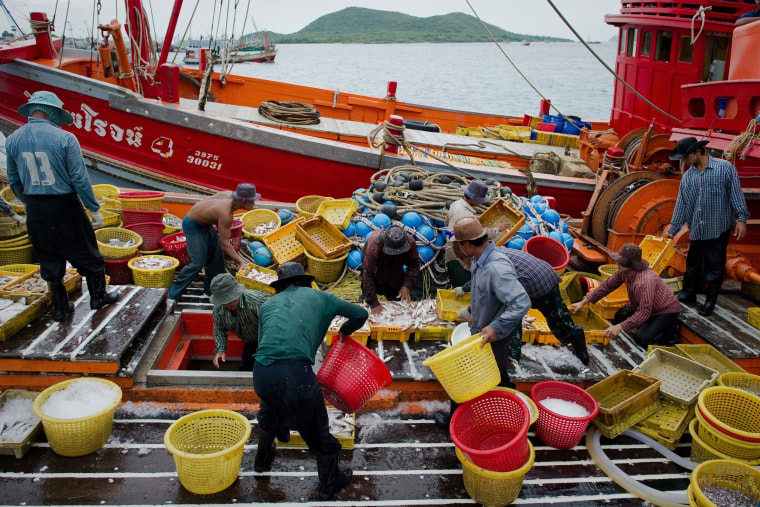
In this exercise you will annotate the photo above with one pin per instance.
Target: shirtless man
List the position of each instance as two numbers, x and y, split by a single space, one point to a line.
205 246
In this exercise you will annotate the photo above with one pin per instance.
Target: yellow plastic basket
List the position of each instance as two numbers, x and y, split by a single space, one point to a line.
36 304
743 381
338 212
735 412
607 270
493 488
710 357
142 201
726 475
9 228
465 370
77 437
103 191
322 239
23 254
283 244
115 253
323 270
159 278
9 196
257 217
170 229
449 305
242 277
702 451
308 205
208 449
657 252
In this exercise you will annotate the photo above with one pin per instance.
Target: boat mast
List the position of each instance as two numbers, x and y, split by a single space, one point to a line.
165 48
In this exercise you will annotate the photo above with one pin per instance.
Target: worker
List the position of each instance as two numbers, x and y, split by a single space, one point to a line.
651 318
46 172
498 301
236 310
292 325
474 194
207 246
386 254
541 282
711 203
6 209
749 17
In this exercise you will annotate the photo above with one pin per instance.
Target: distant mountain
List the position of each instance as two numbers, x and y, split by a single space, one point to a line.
369 26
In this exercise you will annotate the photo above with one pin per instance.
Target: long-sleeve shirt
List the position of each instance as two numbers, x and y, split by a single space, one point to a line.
379 268
648 295
707 201
245 324
44 159
460 209
498 300
5 208
293 323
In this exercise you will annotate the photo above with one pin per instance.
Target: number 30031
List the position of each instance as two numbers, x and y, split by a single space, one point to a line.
203 159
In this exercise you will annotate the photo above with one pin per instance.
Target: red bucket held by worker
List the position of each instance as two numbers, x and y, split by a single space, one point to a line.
351 375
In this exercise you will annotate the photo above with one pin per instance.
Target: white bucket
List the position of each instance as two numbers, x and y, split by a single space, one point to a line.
461 332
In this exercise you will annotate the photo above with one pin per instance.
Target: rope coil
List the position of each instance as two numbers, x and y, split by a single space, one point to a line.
295 113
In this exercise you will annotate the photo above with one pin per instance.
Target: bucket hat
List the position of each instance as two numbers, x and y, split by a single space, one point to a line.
291 273
394 240
629 256
477 190
225 289
468 229
246 192
48 103
686 146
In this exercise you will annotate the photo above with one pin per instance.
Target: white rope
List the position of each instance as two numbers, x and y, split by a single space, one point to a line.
701 14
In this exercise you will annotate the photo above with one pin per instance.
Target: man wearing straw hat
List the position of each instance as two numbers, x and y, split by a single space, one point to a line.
292 326
236 310
207 246
498 302
46 171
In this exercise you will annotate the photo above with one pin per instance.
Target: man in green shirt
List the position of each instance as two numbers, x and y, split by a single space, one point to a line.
236 310
292 325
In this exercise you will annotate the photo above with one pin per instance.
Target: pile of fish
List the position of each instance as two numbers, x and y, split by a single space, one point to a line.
172 221
152 263
17 419
119 243
408 316
339 320
10 309
341 425
262 229
259 276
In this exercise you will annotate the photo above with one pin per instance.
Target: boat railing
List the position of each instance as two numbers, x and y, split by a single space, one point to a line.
722 105
714 10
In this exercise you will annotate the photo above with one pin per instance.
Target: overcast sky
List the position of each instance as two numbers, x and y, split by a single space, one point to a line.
533 17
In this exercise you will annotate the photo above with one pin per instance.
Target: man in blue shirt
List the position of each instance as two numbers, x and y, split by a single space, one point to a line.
47 173
749 17
711 203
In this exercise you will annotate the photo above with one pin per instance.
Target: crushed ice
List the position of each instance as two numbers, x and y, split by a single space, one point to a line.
79 399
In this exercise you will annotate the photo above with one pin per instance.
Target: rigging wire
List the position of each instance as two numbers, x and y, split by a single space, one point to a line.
63 41
186 30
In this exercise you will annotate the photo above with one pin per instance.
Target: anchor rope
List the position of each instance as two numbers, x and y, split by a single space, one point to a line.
740 145
296 113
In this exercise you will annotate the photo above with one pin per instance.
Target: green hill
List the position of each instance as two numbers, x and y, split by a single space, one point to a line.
369 26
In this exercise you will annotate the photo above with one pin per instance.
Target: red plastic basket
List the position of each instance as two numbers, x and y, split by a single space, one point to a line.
151 233
492 430
236 234
549 250
136 216
557 430
119 271
351 375
175 245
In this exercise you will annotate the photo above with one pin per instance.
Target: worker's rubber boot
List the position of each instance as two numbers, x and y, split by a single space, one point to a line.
578 340
331 478
96 285
688 293
62 308
265 453
712 297
283 434
442 419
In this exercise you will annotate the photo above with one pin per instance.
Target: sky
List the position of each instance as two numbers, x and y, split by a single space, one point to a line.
532 17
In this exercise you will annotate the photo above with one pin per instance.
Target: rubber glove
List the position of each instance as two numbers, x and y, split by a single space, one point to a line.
459 292
97 219
464 313
19 218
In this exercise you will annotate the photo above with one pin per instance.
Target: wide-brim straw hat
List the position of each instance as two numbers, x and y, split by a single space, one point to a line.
48 103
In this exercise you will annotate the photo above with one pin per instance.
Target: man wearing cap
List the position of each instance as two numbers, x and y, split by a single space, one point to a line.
385 255
292 326
749 17
475 193
46 172
651 318
207 246
711 203
236 310
498 302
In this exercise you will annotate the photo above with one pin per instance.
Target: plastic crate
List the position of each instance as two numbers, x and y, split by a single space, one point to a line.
322 239
753 316
449 305
710 357
338 212
673 350
669 420
625 394
627 422
682 378
19 447
502 211
19 272
395 333
36 304
242 277
657 252
570 287
593 327
346 441
283 245
607 310
360 335
669 442
433 333
71 280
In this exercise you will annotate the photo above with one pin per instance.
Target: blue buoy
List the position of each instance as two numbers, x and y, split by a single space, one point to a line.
525 232
556 235
411 219
381 221
563 226
568 240
262 256
350 231
426 232
285 216
551 216
362 229
426 253
440 239
516 242
354 259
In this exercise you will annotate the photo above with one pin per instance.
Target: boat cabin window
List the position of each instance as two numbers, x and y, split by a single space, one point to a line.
646 43
631 48
664 44
685 50
622 40
716 52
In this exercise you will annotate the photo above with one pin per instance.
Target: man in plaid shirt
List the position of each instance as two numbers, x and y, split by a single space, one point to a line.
711 203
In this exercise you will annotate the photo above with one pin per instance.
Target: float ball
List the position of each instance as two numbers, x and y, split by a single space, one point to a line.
362 229
525 232
381 221
426 253
285 216
411 219
350 231
551 216
255 245
380 186
505 191
568 240
415 185
556 235
426 232
354 259
563 226
516 243
440 239
378 196
262 256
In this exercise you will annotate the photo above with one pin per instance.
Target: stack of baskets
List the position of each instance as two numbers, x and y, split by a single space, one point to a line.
624 399
724 482
142 212
325 247
118 257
